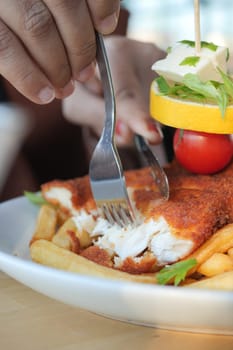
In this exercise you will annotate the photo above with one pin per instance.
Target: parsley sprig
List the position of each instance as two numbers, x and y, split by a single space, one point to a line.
176 272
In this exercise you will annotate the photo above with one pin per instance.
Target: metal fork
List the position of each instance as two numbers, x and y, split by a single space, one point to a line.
105 171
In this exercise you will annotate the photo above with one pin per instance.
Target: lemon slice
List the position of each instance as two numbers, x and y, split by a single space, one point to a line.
189 115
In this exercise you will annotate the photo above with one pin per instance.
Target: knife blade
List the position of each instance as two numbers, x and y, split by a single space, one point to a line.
157 171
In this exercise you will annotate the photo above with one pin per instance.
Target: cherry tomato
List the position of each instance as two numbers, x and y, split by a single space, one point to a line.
201 152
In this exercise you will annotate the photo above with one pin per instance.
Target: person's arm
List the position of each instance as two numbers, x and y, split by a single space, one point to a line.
45 44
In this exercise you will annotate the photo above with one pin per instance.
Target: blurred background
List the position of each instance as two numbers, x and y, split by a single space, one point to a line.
167 21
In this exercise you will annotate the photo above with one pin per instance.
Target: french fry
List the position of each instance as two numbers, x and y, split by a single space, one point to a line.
220 242
222 281
230 253
61 216
47 253
46 223
218 263
57 241
69 237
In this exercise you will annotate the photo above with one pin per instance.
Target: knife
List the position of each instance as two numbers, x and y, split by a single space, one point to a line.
157 171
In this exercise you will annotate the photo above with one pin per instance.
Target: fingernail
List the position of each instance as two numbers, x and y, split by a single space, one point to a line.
121 129
121 133
46 95
86 73
159 129
151 126
67 90
108 24
154 132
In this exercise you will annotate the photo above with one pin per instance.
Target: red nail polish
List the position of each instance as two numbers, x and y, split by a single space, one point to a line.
152 127
119 127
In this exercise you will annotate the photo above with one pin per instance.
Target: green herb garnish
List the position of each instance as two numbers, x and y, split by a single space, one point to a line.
35 198
190 61
211 90
164 87
177 271
210 46
206 89
222 99
228 82
193 89
190 43
204 44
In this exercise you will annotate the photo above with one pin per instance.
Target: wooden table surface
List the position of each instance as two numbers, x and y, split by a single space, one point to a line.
31 321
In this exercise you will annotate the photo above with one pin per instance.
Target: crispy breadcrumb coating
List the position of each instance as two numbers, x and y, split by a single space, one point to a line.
197 207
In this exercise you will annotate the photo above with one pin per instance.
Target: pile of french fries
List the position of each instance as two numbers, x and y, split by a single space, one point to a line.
56 242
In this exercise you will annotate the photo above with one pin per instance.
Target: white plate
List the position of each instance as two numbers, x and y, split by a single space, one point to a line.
149 305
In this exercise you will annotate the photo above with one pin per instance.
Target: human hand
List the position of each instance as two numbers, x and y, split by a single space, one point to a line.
44 45
130 63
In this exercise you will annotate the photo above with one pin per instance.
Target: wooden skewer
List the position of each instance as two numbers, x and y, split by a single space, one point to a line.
197 26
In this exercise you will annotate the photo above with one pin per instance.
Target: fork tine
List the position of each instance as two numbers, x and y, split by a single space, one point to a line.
122 213
110 214
117 213
107 214
126 215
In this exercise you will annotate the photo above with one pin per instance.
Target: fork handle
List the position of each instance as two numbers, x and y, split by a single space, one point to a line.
106 78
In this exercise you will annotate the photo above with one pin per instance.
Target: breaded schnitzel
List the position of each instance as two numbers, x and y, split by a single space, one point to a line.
168 230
